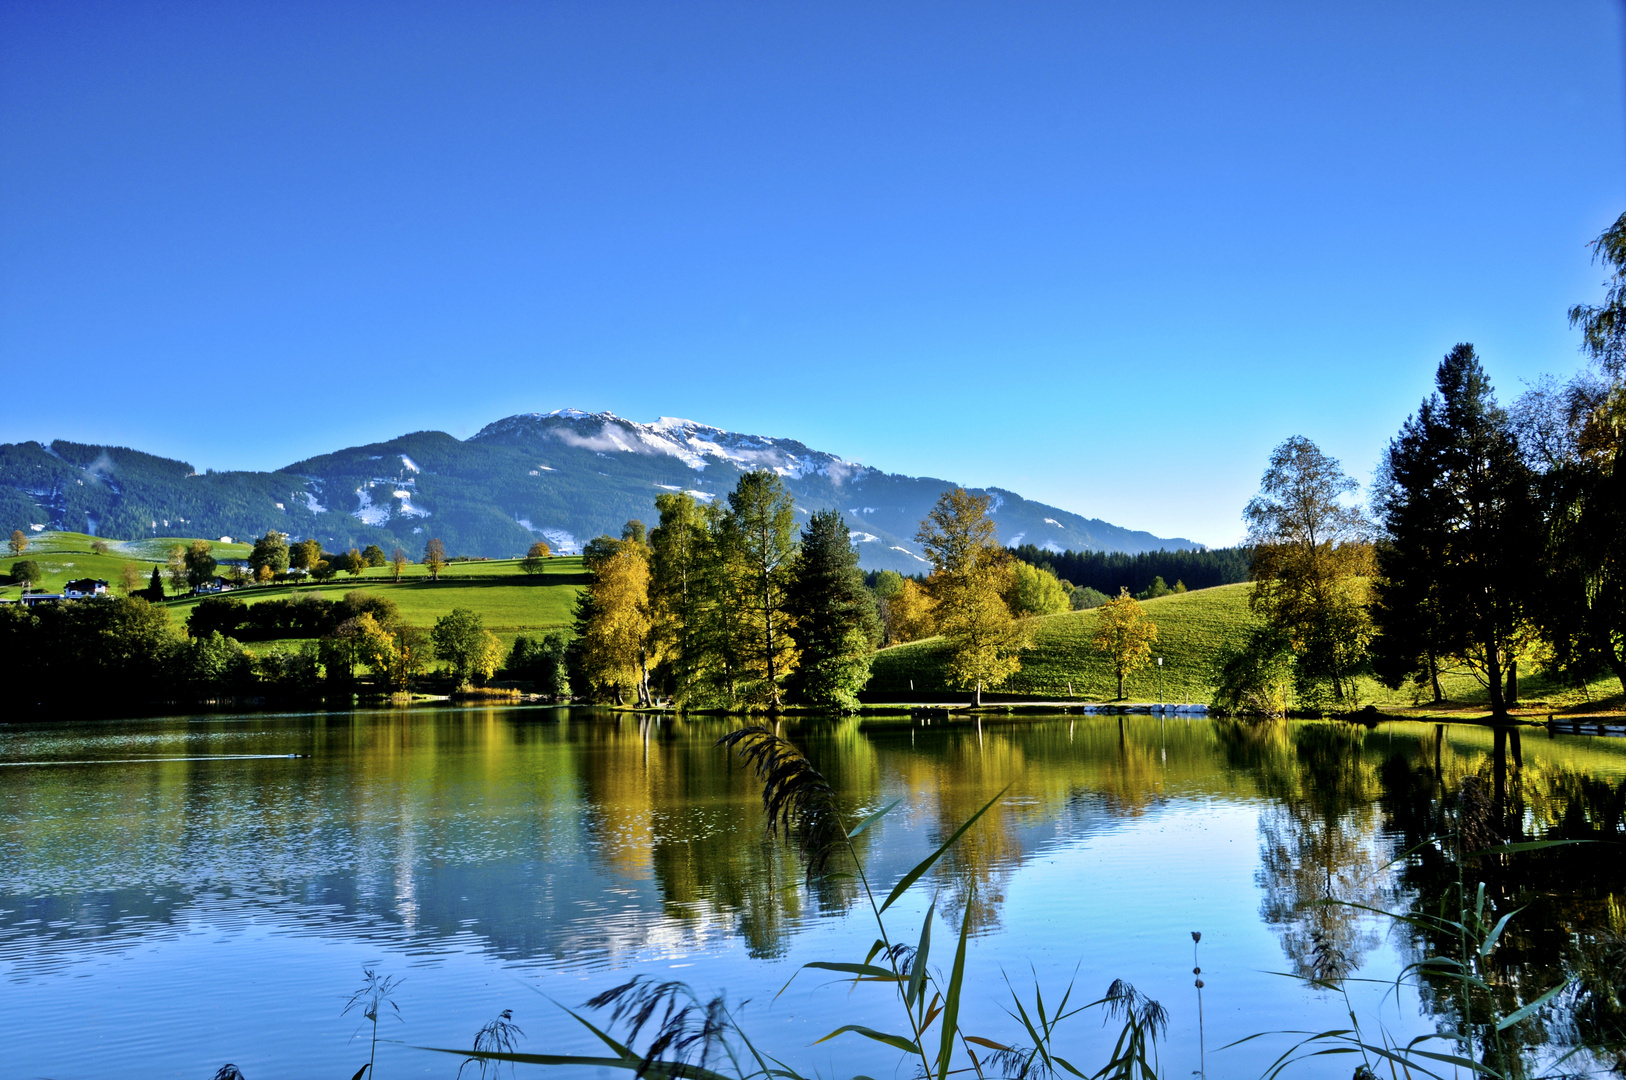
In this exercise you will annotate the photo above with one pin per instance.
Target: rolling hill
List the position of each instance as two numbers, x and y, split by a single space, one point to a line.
563 476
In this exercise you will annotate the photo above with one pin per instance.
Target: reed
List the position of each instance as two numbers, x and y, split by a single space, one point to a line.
375 994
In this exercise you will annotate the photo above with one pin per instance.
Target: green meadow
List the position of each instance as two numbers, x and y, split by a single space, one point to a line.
511 601
1194 629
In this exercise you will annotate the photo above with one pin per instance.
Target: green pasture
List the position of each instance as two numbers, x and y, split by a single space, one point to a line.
66 556
1193 630
511 605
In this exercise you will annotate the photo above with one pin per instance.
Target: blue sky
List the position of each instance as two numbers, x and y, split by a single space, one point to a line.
1104 255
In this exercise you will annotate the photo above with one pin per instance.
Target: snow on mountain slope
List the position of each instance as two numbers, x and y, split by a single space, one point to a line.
566 476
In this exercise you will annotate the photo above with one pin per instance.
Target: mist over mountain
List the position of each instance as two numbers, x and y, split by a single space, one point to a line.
564 476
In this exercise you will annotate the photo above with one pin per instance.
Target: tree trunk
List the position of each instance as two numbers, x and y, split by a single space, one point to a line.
1513 683
618 699
978 697
1120 686
1434 677
1493 681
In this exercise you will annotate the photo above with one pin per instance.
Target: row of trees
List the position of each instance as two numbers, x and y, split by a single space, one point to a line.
1496 537
124 651
728 606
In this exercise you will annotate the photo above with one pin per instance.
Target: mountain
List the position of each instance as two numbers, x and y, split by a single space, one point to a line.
564 476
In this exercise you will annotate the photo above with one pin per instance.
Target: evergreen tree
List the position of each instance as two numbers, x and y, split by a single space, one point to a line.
678 589
1456 569
155 587
835 625
760 549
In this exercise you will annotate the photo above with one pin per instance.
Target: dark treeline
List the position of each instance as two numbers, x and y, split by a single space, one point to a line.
272 620
1109 571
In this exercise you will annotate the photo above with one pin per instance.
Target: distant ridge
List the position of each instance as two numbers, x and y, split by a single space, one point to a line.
564 476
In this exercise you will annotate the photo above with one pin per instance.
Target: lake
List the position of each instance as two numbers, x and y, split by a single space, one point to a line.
181 892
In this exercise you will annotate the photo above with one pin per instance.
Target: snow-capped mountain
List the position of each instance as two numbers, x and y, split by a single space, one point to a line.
565 476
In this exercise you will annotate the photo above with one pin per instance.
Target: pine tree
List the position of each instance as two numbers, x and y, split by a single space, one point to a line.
678 589
155 587
836 628
760 547
1457 569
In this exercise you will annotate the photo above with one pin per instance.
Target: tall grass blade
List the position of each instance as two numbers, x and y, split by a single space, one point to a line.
951 998
897 1041
871 819
1496 932
1514 1017
931 860
917 965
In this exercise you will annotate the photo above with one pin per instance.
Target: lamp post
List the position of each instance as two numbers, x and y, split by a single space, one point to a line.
1160 684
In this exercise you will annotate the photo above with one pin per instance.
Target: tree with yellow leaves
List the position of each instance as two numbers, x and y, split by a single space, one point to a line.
971 575
618 645
1124 635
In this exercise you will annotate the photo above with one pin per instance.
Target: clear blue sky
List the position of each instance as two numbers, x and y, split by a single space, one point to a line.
1104 255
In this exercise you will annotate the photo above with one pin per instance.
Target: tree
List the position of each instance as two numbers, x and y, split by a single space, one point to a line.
909 613
536 559
1311 557
398 562
176 569
543 663
1083 598
1035 590
434 557
1125 636
19 541
1582 605
971 575
323 570
155 587
129 579
761 546
27 573
834 624
238 575
680 552
305 554
270 552
617 643
373 555
355 562
99 547
199 561
461 639
1455 570
264 575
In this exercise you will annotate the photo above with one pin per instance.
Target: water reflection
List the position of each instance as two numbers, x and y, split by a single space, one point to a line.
582 841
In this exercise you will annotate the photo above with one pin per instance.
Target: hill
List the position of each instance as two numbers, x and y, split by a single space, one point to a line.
564 476
1193 629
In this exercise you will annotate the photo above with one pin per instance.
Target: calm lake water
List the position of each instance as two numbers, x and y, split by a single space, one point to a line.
178 893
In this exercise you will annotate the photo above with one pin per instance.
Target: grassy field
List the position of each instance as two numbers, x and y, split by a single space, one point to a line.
1193 629
511 602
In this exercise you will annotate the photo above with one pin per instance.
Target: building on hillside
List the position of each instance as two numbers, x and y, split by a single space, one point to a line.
84 588
41 598
213 585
